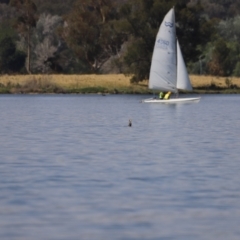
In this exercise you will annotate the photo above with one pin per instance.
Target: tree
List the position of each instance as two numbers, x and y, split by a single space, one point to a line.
11 60
4 1
56 7
6 13
48 46
193 30
90 32
222 54
25 22
220 64
142 24
221 9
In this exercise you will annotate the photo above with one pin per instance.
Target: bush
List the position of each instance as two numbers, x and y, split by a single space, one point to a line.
228 82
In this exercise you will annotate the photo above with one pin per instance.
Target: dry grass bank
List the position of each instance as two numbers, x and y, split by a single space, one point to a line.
72 83
92 80
96 83
204 81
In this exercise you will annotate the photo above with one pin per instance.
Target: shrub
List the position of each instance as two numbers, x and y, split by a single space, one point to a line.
228 82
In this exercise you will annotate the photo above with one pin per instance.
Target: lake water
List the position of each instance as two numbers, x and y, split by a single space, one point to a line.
71 168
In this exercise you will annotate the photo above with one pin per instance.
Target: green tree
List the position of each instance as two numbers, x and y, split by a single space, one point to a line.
25 22
142 24
225 53
56 7
236 71
193 30
219 65
221 9
11 60
90 32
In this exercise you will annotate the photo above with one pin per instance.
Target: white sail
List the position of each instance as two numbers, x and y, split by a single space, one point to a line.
168 70
163 73
183 81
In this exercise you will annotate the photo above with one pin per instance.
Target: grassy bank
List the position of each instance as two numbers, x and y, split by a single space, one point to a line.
113 83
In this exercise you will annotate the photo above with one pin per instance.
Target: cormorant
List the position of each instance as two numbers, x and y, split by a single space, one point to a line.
130 123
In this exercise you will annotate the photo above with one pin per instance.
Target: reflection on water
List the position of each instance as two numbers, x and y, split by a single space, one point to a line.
71 168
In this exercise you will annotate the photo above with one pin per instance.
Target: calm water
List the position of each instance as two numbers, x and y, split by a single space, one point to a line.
71 169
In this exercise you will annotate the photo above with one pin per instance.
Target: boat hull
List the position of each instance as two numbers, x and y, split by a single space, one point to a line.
172 100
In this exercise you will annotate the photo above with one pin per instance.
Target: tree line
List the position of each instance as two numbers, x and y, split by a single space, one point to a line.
116 36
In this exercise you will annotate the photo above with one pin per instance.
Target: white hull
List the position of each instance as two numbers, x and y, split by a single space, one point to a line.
172 100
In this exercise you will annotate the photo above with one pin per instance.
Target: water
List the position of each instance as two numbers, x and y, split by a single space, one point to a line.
71 168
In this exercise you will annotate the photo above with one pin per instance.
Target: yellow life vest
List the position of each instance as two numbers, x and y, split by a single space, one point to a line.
167 95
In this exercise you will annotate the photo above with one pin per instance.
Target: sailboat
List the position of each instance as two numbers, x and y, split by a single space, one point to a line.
168 70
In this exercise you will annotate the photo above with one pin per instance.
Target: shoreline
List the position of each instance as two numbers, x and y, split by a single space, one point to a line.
105 84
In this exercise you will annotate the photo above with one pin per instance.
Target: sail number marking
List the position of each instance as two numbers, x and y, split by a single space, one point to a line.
161 43
169 24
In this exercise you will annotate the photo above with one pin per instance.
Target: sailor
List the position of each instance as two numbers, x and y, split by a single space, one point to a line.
167 95
161 95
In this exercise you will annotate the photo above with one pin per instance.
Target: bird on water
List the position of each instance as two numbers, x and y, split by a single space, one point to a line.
130 123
